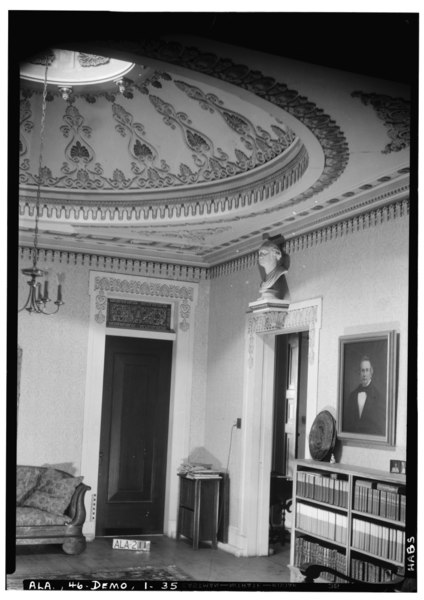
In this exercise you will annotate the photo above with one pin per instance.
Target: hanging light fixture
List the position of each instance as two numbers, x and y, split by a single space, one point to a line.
38 297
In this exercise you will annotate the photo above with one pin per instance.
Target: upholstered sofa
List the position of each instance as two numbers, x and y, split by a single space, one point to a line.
50 508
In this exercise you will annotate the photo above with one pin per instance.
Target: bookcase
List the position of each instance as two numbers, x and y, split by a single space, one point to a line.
349 518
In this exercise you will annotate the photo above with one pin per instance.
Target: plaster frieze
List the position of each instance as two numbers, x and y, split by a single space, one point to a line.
106 286
294 319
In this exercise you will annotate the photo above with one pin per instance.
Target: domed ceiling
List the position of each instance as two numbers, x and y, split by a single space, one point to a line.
151 158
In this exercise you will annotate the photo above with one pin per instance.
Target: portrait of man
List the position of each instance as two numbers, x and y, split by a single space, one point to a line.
367 388
365 410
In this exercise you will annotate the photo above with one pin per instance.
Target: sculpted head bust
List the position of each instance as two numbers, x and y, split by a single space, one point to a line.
269 256
273 264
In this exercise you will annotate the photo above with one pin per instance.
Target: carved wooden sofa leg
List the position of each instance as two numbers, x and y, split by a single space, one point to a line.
74 545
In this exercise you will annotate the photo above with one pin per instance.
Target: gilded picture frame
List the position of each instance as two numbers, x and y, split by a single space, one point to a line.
367 389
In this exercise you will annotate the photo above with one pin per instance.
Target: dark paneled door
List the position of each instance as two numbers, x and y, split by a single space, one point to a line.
134 436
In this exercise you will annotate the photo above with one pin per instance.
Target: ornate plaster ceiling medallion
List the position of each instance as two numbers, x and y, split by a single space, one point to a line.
326 130
75 68
152 143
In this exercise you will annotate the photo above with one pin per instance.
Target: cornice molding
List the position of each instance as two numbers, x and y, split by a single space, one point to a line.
329 233
381 190
126 265
359 222
365 220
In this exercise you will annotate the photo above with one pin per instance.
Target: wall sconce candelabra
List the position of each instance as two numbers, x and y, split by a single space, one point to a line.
65 92
122 85
38 297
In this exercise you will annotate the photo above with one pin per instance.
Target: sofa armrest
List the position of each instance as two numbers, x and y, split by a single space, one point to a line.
76 509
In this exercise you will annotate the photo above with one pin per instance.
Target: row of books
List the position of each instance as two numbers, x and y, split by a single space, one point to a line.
382 499
309 551
323 487
382 541
364 570
327 524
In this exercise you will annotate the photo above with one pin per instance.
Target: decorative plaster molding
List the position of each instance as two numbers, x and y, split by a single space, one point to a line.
396 116
147 169
169 231
324 128
136 315
134 266
171 271
132 286
92 60
104 286
283 173
25 126
237 264
296 319
373 218
41 58
395 190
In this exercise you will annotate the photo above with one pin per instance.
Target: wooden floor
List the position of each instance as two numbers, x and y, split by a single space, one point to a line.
204 564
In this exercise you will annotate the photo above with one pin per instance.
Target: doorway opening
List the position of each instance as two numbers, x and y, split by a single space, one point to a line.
134 436
289 426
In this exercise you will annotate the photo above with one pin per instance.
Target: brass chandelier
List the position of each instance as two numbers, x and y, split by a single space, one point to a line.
38 297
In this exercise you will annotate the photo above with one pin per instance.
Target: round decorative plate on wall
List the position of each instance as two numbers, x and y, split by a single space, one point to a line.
322 437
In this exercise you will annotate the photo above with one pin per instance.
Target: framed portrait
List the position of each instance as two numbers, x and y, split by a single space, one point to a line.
367 389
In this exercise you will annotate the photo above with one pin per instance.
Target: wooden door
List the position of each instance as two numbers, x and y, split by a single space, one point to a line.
287 429
134 436
290 426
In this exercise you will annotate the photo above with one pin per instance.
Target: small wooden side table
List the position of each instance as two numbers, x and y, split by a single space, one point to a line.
198 509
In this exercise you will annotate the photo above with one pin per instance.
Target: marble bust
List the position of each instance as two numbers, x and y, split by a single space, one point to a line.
273 265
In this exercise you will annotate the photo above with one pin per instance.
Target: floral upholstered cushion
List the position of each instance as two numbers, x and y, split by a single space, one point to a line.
53 492
27 479
27 517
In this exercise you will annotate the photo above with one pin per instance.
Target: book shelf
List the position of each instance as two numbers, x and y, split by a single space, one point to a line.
349 518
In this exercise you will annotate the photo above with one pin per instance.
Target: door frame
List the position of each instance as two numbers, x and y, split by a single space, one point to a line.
182 297
252 536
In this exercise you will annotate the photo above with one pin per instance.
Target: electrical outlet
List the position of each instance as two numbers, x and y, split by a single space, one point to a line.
238 423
